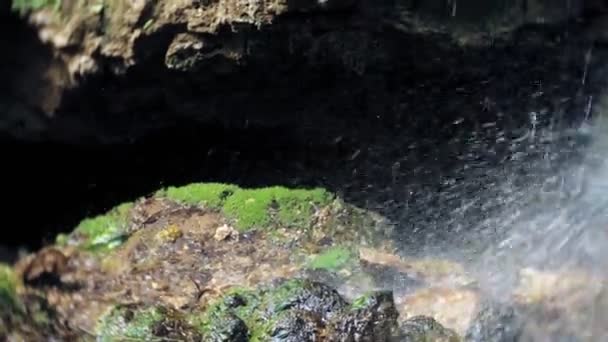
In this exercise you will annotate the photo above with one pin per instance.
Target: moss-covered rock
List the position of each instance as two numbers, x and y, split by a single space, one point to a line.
102 232
265 311
297 326
23 6
372 317
312 214
306 296
224 320
211 195
164 250
281 206
298 310
423 329
235 316
128 323
261 208
333 259
227 327
8 289
143 323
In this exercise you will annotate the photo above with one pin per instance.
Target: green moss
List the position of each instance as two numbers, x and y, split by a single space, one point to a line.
107 231
257 309
361 302
254 208
62 239
211 195
221 319
8 289
279 297
124 323
297 206
23 6
259 208
250 207
332 259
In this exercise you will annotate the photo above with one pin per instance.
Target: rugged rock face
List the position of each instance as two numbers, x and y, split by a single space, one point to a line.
351 96
215 262
370 87
208 262
115 70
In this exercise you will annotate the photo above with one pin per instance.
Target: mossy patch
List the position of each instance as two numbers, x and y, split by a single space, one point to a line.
211 195
105 232
122 322
250 207
253 314
278 299
360 302
23 6
62 239
236 314
254 208
296 206
332 259
8 289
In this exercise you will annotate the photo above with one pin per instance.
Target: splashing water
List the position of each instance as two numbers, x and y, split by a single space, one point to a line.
552 257
527 212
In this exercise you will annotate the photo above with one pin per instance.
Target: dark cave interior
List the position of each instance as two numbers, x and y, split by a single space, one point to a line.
352 134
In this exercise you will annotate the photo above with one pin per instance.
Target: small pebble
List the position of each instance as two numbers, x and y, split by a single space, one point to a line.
224 232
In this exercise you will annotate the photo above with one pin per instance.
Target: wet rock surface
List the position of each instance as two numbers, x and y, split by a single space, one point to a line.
153 58
154 270
180 267
310 297
372 317
422 328
297 326
355 121
495 322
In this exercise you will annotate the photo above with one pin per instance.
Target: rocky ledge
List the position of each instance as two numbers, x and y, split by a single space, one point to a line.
211 262
107 71
216 262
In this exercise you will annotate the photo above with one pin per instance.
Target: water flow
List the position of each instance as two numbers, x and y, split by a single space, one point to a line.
551 255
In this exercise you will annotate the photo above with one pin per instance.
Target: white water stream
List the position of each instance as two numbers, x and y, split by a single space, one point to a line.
536 220
552 250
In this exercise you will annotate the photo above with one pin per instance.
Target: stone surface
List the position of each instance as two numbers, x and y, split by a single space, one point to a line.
162 51
141 266
455 308
421 328
156 270
371 318
224 232
495 322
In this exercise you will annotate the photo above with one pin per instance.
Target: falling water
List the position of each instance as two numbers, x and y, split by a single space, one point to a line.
526 210
554 239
